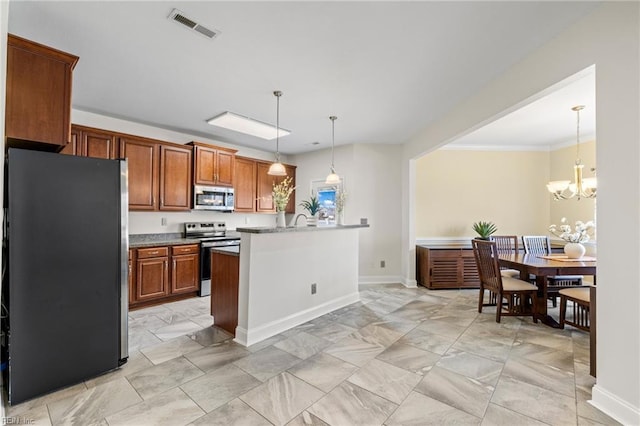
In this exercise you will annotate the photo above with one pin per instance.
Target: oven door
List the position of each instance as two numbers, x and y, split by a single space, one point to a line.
212 198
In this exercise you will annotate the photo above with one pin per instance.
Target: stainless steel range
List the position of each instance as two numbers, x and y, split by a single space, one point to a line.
210 235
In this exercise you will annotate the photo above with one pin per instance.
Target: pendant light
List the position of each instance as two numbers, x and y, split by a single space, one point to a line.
333 178
277 168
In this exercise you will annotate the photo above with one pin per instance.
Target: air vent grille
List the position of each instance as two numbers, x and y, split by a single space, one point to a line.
179 17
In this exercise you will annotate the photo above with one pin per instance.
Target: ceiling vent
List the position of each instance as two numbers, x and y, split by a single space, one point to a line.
182 19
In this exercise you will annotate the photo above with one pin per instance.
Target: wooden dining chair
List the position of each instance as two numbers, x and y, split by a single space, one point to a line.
514 297
581 298
507 244
540 244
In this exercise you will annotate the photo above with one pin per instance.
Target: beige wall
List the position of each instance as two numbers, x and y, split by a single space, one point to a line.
454 189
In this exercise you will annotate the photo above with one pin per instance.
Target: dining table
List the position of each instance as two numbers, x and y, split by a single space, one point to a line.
543 266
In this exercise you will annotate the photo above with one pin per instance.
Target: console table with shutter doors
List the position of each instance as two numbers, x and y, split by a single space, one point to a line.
446 267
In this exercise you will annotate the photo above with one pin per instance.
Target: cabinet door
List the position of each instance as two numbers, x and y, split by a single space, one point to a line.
142 158
184 273
443 268
224 291
38 92
175 178
73 147
132 276
152 278
224 168
97 144
245 185
470 276
205 172
264 188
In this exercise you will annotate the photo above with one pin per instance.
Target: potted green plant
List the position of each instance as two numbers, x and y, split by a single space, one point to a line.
312 205
484 229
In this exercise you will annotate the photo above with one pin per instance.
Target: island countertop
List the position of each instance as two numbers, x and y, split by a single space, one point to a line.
273 230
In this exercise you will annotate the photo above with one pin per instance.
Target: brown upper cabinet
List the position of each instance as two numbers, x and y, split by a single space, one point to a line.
89 142
213 166
254 186
159 174
38 98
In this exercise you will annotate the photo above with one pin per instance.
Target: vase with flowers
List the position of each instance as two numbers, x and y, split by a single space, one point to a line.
581 233
281 193
341 197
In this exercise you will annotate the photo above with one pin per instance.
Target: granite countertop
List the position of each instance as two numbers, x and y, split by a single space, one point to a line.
271 230
152 240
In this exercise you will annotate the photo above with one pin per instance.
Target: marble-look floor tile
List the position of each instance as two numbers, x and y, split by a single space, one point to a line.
267 363
256 347
442 328
136 362
203 320
409 358
217 355
141 339
220 386
588 412
385 380
376 335
306 419
176 329
147 322
543 354
398 324
483 347
210 335
170 349
19 410
159 378
323 371
473 366
357 319
500 416
354 350
386 304
332 332
542 375
536 402
348 404
303 345
419 409
171 407
551 340
427 341
37 416
152 310
93 405
235 412
281 398
455 317
418 311
456 390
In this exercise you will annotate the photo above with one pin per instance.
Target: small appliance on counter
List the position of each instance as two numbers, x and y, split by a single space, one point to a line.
211 235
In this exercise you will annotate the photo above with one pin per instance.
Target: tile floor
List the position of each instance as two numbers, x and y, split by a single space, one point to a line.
400 356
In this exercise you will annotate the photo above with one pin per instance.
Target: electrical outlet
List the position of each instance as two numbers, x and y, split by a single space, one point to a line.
383 264
247 220
313 288
163 221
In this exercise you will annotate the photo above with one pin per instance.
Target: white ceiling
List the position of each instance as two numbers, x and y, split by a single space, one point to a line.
386 69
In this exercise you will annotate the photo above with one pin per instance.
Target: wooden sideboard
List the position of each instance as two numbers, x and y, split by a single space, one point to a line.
446 267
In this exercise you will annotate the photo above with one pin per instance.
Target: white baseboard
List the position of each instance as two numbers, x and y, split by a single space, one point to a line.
409 283
258 334
379 279
614 407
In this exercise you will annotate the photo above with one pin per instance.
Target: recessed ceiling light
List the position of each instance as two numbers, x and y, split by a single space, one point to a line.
246 125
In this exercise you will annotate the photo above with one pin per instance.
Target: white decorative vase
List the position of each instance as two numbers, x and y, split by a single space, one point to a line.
340 218
312 220
280 221
574 250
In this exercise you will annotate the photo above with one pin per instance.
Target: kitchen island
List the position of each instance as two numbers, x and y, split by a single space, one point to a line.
289 276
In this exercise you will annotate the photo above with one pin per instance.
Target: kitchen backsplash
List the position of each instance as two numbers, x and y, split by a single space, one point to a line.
153 222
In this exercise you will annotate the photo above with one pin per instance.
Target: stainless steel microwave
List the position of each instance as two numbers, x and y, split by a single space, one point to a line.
213 198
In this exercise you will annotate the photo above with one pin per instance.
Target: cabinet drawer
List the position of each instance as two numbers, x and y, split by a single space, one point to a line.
189 249
153 252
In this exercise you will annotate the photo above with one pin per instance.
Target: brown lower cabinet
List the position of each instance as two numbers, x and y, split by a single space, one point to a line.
163 273
225 273
446 268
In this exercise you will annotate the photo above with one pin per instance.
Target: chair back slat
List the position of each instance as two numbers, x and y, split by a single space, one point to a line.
536 244
486 254
506 244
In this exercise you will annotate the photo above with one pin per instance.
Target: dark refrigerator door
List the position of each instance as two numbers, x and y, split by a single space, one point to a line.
65 263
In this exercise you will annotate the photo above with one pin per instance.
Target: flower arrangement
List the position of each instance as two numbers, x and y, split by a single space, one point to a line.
281 193
581 234
341 197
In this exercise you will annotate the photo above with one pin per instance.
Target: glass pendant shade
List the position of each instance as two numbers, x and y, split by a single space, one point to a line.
332 179
277 169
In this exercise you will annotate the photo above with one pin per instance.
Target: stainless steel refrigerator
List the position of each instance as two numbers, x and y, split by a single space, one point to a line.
65 275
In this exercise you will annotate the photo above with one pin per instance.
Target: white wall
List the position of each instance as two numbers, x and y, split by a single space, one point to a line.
609 38
372 180
151 222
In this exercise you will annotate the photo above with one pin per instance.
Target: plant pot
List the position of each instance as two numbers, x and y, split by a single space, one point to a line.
574 250
312 220
280 220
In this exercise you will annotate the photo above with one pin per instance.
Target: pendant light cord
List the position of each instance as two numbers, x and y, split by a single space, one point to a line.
577 109
333 140
278 94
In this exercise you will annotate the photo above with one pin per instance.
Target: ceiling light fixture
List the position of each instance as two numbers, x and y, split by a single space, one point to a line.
277 168
580 188
249 126
333 178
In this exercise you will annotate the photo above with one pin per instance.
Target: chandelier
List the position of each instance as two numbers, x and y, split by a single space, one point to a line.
580 187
